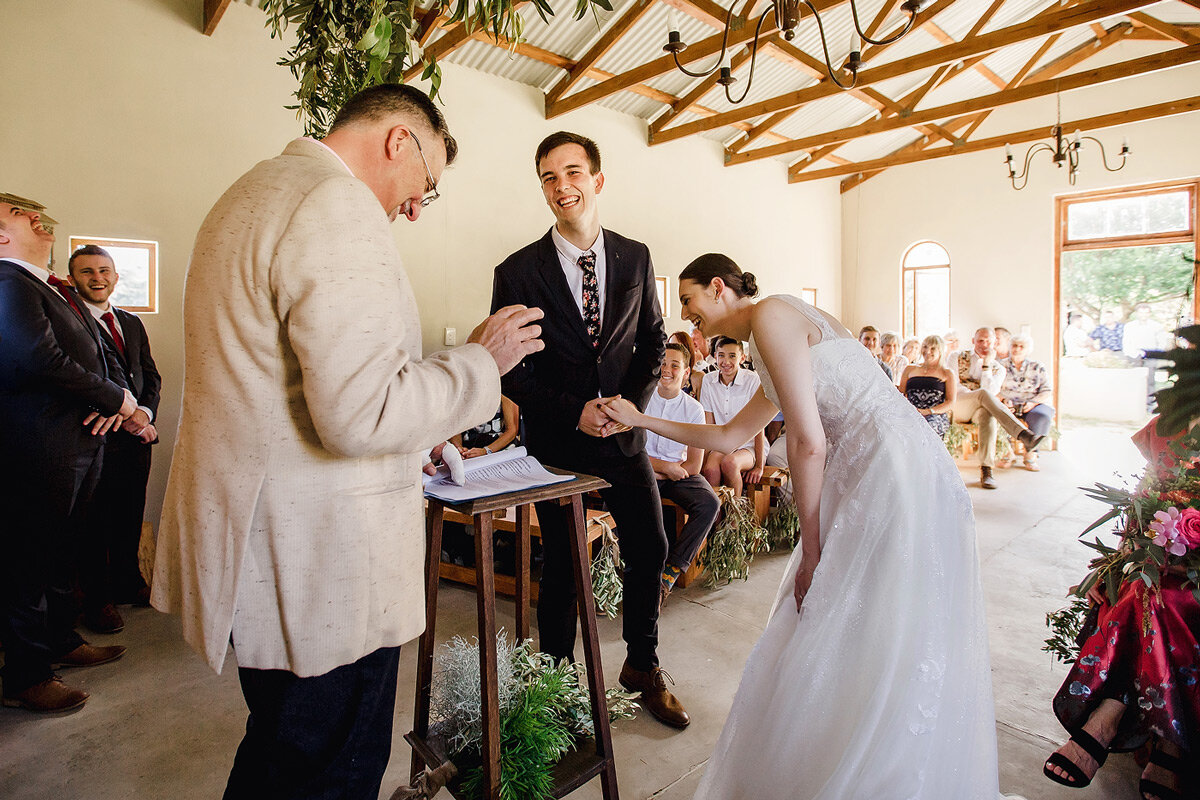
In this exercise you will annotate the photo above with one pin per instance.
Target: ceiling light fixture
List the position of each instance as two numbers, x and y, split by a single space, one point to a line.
786 15
1064 151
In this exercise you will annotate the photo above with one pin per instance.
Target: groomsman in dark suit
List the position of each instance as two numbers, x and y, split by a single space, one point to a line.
603 332
61 390
109 571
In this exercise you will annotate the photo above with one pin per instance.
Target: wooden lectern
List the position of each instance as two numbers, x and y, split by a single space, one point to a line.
592 759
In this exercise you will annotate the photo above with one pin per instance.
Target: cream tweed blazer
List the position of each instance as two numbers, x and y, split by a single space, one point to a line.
293 520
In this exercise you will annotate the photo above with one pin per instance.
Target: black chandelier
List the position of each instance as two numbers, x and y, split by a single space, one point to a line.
786 14
1064 151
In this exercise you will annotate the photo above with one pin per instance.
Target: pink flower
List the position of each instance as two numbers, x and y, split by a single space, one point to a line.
1166 529
1188 528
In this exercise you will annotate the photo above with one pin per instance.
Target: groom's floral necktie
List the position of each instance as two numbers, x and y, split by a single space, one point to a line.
591 297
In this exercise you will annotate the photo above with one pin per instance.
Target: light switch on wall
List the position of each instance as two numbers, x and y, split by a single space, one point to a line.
451 337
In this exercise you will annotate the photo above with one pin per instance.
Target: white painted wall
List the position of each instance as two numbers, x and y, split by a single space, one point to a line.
1001 241
128 122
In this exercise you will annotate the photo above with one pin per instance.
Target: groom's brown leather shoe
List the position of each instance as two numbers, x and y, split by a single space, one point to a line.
48 697
87 655
657 699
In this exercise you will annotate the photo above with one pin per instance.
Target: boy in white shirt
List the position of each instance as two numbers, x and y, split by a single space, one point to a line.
677 466
725 391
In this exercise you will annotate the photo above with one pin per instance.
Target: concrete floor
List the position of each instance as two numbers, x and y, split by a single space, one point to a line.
160 724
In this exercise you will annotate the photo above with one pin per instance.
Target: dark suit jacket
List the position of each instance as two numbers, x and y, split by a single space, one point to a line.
553 385
137 365
54 370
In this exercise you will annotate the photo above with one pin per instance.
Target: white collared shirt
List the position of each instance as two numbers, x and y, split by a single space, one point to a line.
568 258
41 273
724 402
680 408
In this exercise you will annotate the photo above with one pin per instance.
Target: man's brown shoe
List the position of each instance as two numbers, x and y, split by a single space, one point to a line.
87 655
657 699
105 619
48 697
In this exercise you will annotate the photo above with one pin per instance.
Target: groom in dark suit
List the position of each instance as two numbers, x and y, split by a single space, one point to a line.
109 571
60 390
603 332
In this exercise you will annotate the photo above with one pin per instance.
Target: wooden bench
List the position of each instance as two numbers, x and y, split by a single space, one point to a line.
505 520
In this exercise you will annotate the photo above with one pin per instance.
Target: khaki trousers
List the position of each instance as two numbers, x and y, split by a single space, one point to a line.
985 410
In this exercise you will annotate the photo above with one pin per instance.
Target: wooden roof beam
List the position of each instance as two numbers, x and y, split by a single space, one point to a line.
979 66
1181 35
1168 109
1045 88
213 11
662 65
616 30
978 45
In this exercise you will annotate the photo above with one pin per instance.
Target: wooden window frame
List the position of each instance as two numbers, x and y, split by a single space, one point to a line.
664 295
1064 245
76 242
904 270
812 302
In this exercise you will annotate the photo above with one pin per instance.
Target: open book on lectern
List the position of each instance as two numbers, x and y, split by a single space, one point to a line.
496 473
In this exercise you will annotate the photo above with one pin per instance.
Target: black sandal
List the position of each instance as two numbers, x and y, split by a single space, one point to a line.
1173 764
1076 778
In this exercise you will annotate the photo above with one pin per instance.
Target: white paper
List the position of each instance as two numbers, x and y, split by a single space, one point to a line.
496 473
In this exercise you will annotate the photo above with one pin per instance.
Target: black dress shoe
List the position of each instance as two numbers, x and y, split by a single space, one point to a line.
1030 439
655 696
985 478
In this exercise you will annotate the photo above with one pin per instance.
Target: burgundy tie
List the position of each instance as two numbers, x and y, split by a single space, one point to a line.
111 322
62 286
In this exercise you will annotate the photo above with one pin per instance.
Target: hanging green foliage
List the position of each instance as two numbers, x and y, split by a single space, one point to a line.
606 569
734 542
783 527
344 46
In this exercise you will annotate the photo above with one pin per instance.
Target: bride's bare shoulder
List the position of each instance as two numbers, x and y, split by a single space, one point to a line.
774 316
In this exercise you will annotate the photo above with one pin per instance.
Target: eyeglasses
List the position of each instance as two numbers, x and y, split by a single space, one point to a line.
431 192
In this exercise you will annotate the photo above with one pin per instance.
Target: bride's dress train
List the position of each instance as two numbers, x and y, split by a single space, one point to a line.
880 688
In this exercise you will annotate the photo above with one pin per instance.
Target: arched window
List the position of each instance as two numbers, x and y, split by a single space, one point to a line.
926 282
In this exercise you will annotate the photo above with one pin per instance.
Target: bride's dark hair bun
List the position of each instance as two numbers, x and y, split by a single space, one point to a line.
716 265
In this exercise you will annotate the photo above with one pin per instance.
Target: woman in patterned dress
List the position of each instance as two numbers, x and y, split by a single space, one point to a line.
930 387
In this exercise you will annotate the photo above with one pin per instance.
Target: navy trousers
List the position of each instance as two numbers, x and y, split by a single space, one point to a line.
326 737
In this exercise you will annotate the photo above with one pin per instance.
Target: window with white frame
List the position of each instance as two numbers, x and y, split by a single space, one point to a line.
926 289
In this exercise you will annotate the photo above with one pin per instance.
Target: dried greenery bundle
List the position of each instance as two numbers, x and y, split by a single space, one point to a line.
783 526
606 569
735 541
544 708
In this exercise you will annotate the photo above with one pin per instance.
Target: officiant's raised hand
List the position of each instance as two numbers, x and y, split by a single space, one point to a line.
509 335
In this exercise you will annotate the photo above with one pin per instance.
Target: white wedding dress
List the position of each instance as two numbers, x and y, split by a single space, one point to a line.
880 688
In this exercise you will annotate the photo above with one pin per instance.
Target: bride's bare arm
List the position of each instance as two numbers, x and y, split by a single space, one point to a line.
726 438
781 335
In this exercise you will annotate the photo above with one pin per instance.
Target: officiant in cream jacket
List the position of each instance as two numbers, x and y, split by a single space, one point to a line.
293 519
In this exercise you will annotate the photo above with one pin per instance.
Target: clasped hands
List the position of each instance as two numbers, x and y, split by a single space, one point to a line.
131 419
605 416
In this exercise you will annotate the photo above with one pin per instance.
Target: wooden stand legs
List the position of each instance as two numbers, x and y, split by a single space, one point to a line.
573 772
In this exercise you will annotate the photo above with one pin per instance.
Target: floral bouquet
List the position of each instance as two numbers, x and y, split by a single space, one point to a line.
1158 530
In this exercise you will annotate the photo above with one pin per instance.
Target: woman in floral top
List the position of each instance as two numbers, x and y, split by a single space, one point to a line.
1027 392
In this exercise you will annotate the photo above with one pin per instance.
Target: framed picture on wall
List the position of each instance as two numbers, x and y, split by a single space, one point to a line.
137 264
809 296
663 295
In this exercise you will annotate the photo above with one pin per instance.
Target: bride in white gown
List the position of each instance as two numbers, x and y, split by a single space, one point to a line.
874 681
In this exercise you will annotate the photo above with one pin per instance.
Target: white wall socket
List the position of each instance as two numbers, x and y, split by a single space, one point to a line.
451 337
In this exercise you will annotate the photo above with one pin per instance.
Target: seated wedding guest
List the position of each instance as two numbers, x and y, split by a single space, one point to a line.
1027 391
889 353
1135 680
723 395
1003 340
868 337
931 387
677 466
1076 341
911 349
980 378
1110 333
702 358
691 381
949 347
501 431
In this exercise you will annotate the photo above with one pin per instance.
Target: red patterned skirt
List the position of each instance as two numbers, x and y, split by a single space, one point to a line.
1145 653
